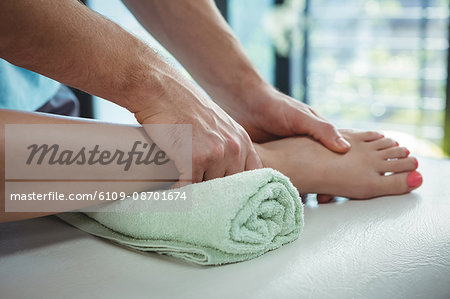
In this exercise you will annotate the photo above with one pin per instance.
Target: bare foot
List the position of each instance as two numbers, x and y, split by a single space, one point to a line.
360 173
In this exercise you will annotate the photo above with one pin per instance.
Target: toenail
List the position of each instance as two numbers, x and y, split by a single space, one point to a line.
396 143
416 163
414 179
407 152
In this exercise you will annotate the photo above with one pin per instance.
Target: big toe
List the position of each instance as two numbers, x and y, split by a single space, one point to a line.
400 183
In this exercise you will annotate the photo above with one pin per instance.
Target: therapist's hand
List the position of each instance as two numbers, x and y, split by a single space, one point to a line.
220 146
267 114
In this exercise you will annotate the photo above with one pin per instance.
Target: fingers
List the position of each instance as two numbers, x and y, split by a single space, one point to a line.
304 120
327 134
184 180
309 122
213 162
216 146
213 173
220 155
253 161
207 160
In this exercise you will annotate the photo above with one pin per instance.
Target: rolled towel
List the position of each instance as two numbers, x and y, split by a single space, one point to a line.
232 219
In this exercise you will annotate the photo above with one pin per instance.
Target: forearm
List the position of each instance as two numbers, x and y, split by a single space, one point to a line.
68 42
199 37
196 33
106 136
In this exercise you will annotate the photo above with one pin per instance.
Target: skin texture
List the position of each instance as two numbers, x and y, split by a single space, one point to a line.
68 42
313 169
358 174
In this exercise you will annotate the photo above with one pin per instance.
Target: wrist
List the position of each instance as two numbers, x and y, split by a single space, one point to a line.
239 91
145 83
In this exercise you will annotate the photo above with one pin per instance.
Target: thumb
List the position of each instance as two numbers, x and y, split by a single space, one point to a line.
327 134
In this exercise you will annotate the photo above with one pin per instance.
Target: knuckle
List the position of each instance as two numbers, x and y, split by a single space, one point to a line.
327 126
198 159
216 152
234 147
244 135
209 151
197 174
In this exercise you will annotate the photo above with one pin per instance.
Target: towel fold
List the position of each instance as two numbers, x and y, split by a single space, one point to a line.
231 219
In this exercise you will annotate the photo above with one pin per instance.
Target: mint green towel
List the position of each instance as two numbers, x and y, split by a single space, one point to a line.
232 219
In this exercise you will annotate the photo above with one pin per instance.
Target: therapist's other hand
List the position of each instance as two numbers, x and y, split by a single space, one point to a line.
268 114
220 146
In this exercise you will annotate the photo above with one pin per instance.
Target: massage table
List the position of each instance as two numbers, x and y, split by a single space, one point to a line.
389 247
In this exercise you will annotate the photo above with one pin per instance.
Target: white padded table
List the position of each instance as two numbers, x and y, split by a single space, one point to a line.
390 247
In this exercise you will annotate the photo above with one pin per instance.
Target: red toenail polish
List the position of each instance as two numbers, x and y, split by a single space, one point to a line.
407 152
414 179
396 143
416 163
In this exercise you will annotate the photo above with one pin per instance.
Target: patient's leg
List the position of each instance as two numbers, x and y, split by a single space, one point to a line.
358 174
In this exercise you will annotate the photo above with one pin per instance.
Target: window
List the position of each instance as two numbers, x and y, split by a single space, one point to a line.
248 20
369 64
380 62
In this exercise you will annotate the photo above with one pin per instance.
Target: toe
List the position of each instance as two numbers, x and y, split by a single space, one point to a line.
369 135
383 143
324 198
400 183
394 153
414 180
399 165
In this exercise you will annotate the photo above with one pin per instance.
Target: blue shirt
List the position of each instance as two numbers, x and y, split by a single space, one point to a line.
21 89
